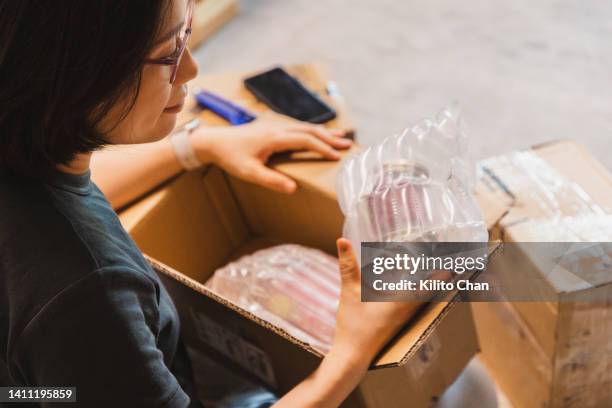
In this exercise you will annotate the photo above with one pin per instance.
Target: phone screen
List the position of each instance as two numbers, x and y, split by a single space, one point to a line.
286 95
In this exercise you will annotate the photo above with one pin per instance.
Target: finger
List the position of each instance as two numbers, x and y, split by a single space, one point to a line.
339 132
299 141
331 137
317 129
271 179
349 268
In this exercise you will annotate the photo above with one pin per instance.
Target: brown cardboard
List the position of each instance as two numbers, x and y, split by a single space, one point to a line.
512 355
494 203
572 162
203 219
208 17
558 352
413 383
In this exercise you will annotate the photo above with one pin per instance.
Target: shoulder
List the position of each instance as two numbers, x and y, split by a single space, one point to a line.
48 246
50 272
30 222
40 253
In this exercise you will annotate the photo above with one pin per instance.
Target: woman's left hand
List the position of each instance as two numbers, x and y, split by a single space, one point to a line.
243 151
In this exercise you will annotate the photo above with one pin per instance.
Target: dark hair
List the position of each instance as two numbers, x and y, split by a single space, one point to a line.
63 66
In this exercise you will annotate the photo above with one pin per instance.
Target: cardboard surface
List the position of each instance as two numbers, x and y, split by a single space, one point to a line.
551 353
512 355
568 183
414 383
203 219
208 17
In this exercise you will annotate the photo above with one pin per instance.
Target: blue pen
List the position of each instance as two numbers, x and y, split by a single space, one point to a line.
228 110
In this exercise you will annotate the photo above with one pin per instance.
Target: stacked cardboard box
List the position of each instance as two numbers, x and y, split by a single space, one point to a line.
556 352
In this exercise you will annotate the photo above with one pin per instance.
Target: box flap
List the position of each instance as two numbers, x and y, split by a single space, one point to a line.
403 347
438 362
202 289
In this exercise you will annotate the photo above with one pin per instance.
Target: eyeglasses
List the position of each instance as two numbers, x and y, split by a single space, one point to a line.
174 59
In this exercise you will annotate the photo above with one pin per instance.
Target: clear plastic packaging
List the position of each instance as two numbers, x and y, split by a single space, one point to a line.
412 187
540 185
291 286
549 205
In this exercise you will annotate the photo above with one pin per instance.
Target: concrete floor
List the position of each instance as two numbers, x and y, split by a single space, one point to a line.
523 71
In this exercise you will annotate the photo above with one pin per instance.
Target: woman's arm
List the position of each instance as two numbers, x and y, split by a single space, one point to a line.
126 172
362 329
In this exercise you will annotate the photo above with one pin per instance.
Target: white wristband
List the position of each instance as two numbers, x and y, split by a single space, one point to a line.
183 149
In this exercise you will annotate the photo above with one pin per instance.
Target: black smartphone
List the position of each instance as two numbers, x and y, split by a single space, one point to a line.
285 94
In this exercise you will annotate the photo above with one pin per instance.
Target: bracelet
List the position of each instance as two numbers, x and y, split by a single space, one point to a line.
183 149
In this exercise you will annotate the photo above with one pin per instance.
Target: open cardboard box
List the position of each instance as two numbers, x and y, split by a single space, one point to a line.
204 219
201 220
558 351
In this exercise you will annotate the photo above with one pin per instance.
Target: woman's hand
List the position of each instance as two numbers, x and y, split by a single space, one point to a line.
243 151
362 329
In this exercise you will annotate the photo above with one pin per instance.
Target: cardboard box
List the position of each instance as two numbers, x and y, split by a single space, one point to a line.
208 17
204 219
556 352
201 220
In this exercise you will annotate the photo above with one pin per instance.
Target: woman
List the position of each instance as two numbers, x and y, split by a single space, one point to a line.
79 306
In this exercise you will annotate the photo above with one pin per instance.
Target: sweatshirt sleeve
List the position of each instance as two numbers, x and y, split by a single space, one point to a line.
100 336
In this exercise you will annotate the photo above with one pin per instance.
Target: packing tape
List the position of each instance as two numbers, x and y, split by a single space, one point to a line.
563 210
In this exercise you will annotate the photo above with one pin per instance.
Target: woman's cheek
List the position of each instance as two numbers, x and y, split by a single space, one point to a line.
154 123
164 126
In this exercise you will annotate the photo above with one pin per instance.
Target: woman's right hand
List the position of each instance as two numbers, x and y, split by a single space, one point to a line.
363 328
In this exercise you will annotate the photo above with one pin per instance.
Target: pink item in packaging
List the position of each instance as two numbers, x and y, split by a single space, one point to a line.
294 287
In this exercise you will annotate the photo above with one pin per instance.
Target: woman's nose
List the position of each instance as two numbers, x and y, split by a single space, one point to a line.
188 68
